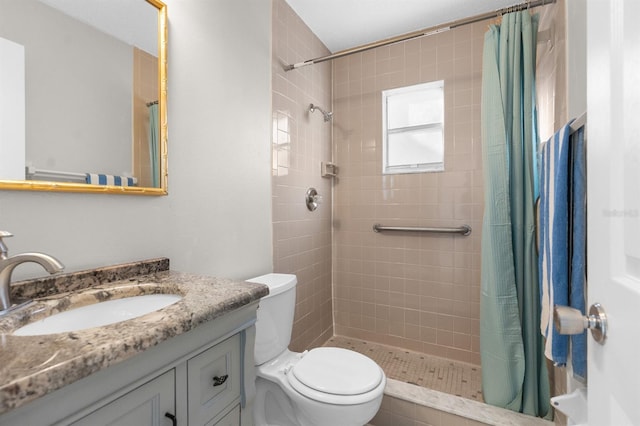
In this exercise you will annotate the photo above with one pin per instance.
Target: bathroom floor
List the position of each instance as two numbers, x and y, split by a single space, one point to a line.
452 377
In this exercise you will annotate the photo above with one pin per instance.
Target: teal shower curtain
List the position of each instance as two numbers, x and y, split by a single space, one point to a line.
514 373
154 155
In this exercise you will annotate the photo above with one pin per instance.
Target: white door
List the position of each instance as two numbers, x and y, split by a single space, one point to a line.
613 144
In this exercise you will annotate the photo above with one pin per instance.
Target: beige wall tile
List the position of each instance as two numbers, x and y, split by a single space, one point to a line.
426 280
300 142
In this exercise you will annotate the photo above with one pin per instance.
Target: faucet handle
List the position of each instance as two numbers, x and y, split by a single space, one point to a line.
3 248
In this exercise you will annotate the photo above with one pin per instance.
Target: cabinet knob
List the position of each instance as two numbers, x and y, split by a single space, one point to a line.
219 380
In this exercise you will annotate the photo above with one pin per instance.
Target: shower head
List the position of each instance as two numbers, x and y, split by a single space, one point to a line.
328 115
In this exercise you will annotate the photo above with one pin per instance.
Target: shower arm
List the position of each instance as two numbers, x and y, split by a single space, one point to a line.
327 114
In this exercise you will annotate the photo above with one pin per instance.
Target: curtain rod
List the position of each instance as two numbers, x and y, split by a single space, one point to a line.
420 33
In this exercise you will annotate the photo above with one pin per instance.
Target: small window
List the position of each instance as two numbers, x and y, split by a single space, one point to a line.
413 128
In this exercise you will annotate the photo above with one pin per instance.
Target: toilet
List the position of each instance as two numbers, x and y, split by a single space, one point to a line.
320 387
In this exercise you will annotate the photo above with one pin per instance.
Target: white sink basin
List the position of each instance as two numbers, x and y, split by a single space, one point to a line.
98 314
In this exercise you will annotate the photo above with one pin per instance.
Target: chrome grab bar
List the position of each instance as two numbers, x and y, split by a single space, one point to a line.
463 230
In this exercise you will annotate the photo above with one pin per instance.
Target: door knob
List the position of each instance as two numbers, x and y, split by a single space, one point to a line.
571 321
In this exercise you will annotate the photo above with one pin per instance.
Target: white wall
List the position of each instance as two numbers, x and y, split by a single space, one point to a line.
79 90
217 217
219 133
12 132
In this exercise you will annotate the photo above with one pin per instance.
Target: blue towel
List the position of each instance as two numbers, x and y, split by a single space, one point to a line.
578 249
114 180
554 240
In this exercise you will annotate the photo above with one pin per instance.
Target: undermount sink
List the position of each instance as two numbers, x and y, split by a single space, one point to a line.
98 314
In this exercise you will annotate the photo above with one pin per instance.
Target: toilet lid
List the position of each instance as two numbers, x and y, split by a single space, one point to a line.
335 371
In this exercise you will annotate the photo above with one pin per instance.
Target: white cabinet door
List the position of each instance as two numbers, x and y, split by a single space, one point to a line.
613 146
144 406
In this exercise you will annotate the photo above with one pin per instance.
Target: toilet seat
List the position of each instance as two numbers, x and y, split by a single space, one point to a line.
336 376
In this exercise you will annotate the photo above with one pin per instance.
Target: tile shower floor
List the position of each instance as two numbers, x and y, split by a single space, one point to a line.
452 377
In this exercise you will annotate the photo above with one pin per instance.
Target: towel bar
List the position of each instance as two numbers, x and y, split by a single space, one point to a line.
463 230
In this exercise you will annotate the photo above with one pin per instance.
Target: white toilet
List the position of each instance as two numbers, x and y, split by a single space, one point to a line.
320 387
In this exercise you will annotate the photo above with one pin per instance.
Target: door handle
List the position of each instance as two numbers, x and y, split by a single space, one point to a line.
571 321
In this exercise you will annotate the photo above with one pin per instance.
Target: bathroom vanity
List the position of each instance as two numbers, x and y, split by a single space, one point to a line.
190 363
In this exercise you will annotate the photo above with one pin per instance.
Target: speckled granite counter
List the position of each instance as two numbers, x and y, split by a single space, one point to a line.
31 367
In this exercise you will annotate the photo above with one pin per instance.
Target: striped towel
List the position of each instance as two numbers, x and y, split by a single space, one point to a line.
578 248
102 179
554 240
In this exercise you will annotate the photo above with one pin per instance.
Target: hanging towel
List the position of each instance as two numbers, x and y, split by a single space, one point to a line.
102 179
554 239
578 249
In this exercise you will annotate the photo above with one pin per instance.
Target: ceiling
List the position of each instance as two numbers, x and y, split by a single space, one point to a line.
341 24
133 22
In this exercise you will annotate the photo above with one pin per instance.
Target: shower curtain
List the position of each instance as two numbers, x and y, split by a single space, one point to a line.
514 373
153 145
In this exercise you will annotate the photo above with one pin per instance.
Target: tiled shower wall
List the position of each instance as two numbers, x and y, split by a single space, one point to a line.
416 291
301 141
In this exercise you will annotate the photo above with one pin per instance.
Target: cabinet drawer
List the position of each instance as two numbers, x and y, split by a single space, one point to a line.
231 419
213 380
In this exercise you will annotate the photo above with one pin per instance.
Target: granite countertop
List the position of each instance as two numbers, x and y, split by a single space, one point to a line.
31 367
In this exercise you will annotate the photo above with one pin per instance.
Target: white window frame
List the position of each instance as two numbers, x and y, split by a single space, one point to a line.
432 166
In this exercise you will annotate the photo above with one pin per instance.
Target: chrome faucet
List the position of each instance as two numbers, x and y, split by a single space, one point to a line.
8 264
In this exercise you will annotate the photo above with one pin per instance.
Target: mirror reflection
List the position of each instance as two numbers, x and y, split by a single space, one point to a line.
81 103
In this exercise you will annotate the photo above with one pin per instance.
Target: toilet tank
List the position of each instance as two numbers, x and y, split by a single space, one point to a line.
275 316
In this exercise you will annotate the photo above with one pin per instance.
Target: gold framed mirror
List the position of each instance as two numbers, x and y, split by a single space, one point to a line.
87 104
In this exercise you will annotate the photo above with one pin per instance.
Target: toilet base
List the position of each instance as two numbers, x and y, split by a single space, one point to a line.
272 407
277 403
